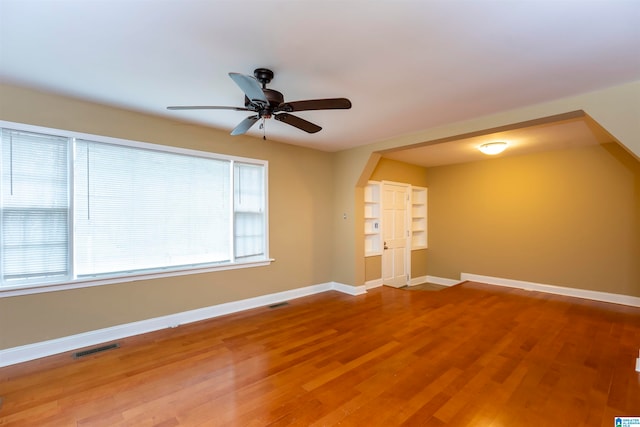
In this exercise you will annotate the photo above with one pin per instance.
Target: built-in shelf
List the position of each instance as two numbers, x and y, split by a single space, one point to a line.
418 217
372 219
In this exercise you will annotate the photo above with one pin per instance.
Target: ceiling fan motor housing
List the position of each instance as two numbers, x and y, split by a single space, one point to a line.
275 99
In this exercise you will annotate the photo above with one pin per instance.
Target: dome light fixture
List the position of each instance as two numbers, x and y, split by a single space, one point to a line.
493 148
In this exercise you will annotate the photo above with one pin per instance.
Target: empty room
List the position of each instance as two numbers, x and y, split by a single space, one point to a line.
296 213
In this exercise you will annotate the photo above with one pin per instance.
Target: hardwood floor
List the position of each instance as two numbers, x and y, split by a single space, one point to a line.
469 355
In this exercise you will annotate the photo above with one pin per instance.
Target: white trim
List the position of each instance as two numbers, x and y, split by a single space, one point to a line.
442 281
348 289
37 350
417 281
373 283
552 289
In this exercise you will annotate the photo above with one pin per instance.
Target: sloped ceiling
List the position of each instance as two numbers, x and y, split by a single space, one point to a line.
406 65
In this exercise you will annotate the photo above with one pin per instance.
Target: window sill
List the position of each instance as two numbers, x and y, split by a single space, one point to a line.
12 291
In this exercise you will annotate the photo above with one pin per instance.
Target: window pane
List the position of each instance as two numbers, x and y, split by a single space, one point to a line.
249 209
141 209
35 200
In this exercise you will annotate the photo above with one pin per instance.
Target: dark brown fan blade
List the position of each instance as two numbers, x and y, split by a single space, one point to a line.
316 104
297 122
250 87
206 107
244 125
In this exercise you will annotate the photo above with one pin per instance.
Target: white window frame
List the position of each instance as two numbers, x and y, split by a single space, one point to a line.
26 289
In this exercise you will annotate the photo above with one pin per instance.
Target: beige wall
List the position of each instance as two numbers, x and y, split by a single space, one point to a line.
372 268
569 218
419 263
393 170
300 199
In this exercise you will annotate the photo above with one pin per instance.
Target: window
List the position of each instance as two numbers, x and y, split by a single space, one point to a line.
85 208
248 211
35 207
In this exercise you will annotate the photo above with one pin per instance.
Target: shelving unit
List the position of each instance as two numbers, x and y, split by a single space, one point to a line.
418 218
372 219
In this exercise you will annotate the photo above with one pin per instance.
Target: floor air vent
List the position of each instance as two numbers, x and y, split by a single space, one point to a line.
83 353
279 304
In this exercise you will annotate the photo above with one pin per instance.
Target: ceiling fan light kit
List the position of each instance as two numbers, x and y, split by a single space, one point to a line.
269 103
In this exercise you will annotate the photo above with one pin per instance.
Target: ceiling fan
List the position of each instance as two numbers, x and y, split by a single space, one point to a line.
269 103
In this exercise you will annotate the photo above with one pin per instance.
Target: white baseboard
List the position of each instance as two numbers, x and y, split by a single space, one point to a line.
28 352
417 280
348 289
373 283
553 289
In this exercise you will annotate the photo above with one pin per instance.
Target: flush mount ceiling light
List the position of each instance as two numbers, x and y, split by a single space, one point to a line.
493 148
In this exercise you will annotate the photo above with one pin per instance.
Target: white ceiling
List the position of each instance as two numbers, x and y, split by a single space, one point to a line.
405 65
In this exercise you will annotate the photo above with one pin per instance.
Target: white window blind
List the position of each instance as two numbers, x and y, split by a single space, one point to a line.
75 209
249 211
140 209
35 207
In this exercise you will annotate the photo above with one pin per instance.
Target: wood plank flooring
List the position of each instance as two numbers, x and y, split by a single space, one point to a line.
469 355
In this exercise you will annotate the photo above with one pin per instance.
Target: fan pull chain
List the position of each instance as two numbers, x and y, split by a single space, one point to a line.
264 132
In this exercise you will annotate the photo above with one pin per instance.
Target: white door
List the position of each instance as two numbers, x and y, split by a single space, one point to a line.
395 234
